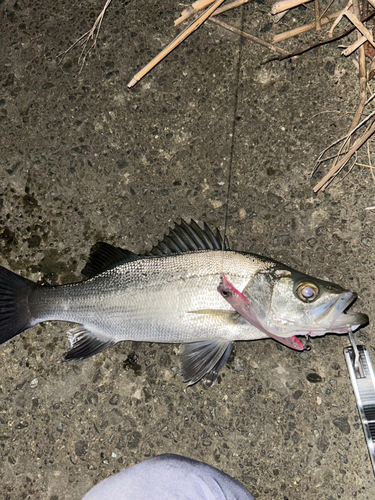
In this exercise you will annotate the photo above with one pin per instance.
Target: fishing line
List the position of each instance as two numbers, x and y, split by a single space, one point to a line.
237 82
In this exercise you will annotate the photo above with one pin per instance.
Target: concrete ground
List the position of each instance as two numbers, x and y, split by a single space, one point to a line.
83 159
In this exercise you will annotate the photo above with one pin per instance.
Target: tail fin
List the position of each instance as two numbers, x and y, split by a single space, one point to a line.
15 315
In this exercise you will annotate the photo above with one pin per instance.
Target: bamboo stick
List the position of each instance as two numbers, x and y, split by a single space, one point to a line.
247 35
285 5
180 38
304 28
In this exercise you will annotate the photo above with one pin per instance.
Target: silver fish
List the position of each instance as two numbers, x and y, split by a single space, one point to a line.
170 295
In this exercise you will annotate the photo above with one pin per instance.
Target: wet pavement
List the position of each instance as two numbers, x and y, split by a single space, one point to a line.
83 159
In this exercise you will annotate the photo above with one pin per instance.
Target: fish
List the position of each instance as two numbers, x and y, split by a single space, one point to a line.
169 477
170 295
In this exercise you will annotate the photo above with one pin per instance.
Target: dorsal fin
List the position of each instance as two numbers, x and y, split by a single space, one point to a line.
104 256
186 237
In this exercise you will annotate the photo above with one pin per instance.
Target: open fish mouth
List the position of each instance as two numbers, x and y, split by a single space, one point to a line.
334 318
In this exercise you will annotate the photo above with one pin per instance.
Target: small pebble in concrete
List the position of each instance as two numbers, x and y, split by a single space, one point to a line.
343 424
314 378
304 355
366 242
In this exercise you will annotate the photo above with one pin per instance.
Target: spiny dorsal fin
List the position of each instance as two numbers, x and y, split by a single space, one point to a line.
186 237
182 238
104 256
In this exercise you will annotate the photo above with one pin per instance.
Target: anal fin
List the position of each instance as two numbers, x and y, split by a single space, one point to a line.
204 359
84 344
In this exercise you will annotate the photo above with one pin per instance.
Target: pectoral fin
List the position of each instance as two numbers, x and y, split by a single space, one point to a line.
204 359
84 344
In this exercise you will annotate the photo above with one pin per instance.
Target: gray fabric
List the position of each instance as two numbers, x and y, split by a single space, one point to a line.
169 477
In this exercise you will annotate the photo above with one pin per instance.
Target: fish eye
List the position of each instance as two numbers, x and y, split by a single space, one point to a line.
225 293
307 292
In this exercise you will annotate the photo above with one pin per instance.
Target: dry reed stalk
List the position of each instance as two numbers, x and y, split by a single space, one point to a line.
321 42
224 8
230 6
179 39
327 8
317 15
247 35
192 9
277 17
286 5
339 17
336 168
304 28
362 74
360 26
369 160
362 34
343 139
363 165
84 39
352 48
327 179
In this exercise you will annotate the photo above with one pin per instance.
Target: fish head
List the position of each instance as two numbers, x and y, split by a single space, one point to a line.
287 302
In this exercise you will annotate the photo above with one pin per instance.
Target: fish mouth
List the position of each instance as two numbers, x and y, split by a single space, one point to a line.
334 318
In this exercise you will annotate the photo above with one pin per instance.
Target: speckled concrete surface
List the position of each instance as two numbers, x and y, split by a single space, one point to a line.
84 159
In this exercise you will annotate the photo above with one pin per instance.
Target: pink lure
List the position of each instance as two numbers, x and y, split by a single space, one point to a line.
241 304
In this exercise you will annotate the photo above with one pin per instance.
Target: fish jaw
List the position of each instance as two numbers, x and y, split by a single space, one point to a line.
241 304
336 320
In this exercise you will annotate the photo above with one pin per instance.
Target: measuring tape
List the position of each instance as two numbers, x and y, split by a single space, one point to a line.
363 381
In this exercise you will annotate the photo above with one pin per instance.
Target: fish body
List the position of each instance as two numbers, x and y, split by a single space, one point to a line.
169 299
169 477
170 295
